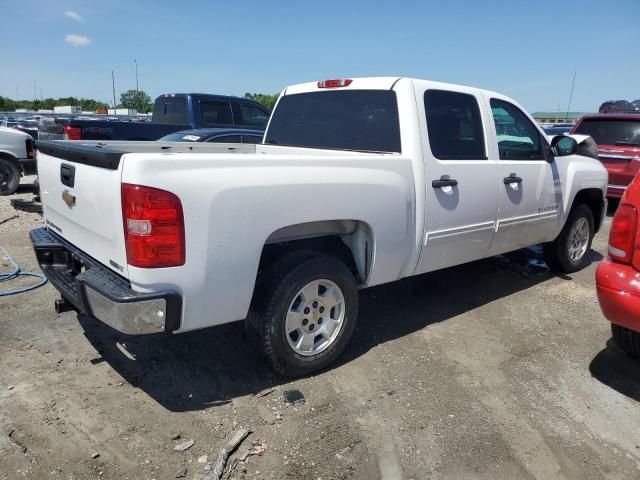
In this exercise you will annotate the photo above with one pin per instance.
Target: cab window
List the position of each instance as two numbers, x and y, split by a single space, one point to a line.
454 125
214 113
518 138
253 116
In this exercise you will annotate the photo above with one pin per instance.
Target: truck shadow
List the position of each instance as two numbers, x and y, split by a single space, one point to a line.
617 370
201 369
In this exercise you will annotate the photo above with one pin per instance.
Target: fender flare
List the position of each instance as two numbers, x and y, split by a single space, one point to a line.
11 158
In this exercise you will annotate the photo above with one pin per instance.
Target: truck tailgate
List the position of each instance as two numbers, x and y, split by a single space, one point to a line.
82 202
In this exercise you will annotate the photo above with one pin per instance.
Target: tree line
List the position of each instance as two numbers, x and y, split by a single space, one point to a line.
136 99
8 104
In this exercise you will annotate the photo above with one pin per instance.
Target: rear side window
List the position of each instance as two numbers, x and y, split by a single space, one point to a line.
454 125
171 110
518 138
611 132
253 116
213 112
361 120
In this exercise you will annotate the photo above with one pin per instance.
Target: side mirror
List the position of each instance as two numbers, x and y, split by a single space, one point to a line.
561 145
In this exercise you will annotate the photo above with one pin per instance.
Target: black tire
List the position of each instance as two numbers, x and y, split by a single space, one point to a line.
277 288
556 253
627 340
9 177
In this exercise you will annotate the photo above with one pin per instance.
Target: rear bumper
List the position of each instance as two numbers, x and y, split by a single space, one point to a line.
99 292
618 289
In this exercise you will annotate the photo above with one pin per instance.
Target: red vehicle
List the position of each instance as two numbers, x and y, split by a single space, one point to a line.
618 139
618 276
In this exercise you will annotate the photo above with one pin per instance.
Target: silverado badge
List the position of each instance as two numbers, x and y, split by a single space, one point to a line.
68 198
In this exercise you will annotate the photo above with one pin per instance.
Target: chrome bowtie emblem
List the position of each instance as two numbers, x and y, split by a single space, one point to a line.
68 198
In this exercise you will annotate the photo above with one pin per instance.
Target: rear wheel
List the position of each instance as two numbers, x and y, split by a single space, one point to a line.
569 252
627 340
9 177
304 312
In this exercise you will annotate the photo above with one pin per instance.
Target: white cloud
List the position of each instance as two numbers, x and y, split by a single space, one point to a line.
74 16
77 40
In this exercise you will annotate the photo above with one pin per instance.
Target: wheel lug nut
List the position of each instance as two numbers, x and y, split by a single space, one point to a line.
315 304
306 310
321 309
311 327
320 321
304 321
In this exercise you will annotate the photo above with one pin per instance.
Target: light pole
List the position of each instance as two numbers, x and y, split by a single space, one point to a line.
113 84
136 62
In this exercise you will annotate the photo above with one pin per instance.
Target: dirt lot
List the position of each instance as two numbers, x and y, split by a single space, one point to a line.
494 370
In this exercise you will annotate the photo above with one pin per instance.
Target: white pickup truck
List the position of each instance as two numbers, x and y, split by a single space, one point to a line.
359 182
17 158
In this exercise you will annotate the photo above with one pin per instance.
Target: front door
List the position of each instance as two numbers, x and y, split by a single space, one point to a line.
461 198
528 185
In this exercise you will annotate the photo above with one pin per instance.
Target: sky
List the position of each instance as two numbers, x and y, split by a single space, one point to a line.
526 49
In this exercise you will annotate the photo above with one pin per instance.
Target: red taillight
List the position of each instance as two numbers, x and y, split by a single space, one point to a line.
72 133
153 227
334 83
622 236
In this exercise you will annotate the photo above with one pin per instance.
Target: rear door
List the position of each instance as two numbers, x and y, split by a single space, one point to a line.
461 198
528 184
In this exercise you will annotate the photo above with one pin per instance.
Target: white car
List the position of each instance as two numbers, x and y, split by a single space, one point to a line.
359 182
17 158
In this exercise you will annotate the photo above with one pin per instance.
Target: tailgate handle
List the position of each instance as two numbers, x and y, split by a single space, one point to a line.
67 175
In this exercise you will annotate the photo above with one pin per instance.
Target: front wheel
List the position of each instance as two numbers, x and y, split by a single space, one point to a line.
569 252
9 177
304 312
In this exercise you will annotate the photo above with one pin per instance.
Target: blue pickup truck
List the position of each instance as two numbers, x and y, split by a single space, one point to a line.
171 112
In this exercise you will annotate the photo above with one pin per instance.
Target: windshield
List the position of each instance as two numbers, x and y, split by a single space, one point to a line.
363 120
612 132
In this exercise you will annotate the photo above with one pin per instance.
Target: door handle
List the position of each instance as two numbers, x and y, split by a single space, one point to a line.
444 182
513 178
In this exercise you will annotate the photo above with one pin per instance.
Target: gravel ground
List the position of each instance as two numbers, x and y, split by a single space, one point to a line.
493 370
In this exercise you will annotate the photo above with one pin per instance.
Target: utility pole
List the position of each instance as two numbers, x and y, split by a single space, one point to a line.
35 93
17 95
136 62
113 84
570 95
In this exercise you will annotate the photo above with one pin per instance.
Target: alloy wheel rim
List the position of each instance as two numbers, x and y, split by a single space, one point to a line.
578 239
315 317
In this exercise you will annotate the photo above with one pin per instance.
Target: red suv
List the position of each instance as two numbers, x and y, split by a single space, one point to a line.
618 276
618 139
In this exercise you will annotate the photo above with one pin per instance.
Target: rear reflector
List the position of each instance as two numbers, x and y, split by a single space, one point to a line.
622 236
153 227
334 83
72 133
